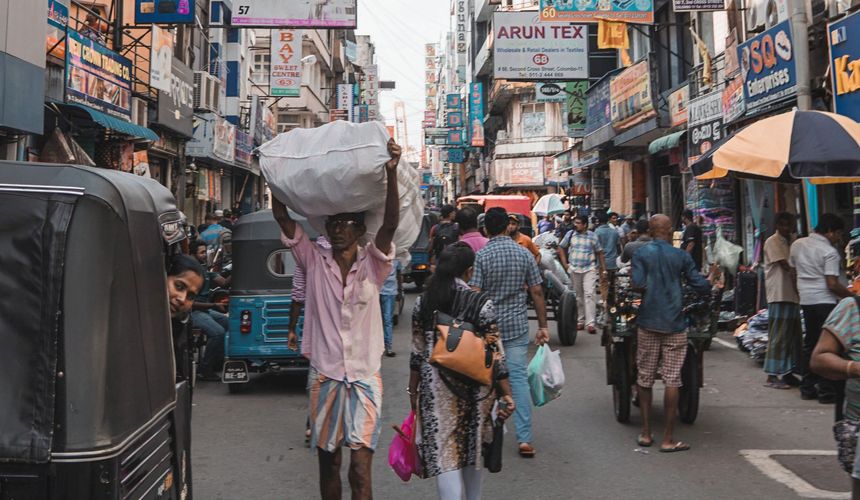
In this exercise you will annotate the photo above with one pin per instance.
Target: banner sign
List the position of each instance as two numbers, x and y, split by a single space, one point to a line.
476 113
462 18
732 67
767 66
694 5
455 137
345 99
162 56
526 49
733 100
176 105
58 18
164 11
97 76
598 106
589 11
244 148
843 37
550 92
370 91
576 108
456 155
630 92
294 14
678 106
285 77
520 171
224 143
705 123
454 119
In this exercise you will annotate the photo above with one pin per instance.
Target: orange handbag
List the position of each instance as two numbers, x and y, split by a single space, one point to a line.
461 351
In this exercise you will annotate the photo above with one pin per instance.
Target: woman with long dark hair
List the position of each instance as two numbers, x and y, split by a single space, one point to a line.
454 415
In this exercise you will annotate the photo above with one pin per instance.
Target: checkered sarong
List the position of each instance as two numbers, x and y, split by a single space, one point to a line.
665 351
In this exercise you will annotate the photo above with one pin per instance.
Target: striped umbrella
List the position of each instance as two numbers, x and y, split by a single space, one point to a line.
797 143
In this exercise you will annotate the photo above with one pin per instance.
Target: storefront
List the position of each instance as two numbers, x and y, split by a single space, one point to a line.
211 153
593 167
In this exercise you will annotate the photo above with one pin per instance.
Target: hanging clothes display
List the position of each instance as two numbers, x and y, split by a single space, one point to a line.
714 201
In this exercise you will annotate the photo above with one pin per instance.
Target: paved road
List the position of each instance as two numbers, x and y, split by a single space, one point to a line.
251 445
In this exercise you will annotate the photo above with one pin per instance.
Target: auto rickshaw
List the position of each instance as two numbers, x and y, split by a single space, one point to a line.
260 301
419 265
92 404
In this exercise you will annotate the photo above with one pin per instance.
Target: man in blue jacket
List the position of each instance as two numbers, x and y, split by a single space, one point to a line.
660 270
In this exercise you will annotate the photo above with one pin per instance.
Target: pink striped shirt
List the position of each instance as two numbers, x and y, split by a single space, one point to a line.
342 334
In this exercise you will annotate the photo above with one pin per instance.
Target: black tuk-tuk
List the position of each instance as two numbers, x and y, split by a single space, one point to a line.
89 403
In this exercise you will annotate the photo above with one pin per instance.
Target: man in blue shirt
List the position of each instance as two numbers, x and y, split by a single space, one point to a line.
609 240
660 270
387 299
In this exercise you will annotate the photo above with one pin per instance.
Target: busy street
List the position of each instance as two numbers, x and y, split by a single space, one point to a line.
252 444
453 249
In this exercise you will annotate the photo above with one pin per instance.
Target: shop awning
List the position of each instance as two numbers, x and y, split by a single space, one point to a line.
666 142
117 124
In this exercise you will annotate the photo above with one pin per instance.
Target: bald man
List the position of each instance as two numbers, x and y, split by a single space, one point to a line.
660 270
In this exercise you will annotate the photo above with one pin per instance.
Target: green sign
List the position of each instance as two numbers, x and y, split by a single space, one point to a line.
575 111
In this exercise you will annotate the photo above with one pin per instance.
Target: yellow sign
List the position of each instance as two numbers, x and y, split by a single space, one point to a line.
612 35
846 74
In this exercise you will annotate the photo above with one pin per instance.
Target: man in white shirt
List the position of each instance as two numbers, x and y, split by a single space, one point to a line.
819 270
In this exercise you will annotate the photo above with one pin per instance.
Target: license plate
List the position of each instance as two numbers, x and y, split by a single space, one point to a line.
235 372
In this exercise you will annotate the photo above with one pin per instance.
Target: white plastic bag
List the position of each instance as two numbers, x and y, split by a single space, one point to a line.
725 253
546 375
339 167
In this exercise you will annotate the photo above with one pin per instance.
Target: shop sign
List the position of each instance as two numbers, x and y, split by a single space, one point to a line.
589 158
345 99
694 5
338 114
549 173
224 145
455 137
370 91
678 106
58 19
520 171
599 106
164 11
844 40
630 92
550 92
566 161
705 123
526 49
293 14
244 148
476 113
97 77
453 101
767 65
176 104
589 11
161 51
454 119
456 155
462 20
733 100
263 123
285 77
576 108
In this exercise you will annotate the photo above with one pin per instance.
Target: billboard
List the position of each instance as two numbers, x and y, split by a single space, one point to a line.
843 37
630 92
526 49
97 77
285 78
694 5
589 11
294 14
161 51
598 106
164 11
476 113
520 171
767 66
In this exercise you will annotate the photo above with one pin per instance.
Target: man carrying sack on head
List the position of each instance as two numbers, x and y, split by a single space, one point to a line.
343 334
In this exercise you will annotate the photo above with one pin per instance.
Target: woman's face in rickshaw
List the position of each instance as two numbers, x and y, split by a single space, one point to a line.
181 291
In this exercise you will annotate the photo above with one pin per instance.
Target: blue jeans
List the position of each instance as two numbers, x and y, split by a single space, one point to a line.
387 303
516 357
214 325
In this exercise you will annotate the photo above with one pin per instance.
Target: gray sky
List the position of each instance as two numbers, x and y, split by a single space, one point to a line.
400 28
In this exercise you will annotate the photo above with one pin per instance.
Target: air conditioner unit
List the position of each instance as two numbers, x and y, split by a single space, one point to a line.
207 91
139 111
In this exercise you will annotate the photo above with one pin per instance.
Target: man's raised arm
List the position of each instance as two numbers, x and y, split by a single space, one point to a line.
392 201
279 211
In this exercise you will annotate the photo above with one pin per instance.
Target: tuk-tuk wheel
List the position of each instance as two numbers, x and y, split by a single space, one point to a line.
566 318
688 405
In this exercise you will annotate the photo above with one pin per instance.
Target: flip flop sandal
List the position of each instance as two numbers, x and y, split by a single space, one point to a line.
645 444
777 385
527 451
679 446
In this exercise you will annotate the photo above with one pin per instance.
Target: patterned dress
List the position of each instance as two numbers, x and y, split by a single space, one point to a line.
452 428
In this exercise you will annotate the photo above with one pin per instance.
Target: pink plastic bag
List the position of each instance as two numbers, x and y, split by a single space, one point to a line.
403 453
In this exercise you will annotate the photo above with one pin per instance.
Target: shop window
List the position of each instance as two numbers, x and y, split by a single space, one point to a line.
534 120
281 264
262 66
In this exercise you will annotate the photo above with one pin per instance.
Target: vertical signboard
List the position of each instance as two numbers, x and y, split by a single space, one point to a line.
704 123
767 66
576 108
599 106
678 106
286 66
97 76
224 142
370 91
344 99
476 113
162 59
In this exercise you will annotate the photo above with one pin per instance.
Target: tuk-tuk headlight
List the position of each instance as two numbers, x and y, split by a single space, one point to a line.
245 322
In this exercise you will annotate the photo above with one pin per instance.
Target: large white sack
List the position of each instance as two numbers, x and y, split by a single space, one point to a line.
339 167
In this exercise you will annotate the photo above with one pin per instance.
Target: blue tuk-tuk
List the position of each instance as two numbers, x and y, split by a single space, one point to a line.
419 267
260 302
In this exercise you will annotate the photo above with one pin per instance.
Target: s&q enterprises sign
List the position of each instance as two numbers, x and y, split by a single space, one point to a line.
526 49
767 66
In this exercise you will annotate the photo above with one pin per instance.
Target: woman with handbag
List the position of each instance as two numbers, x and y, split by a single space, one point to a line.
454 408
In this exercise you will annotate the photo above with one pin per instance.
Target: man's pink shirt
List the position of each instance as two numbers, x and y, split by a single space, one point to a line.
342 334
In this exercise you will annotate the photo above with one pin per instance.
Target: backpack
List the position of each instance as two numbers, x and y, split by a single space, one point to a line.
446 234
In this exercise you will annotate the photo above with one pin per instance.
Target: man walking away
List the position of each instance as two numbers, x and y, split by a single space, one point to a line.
582 256
343 335
445 232
609 240
818 267
642 238
691 239
467 221
387 300
785 333
659 269
506 271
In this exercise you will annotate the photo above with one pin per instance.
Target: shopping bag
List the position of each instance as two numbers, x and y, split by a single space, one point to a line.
546 376
492 451
403 452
